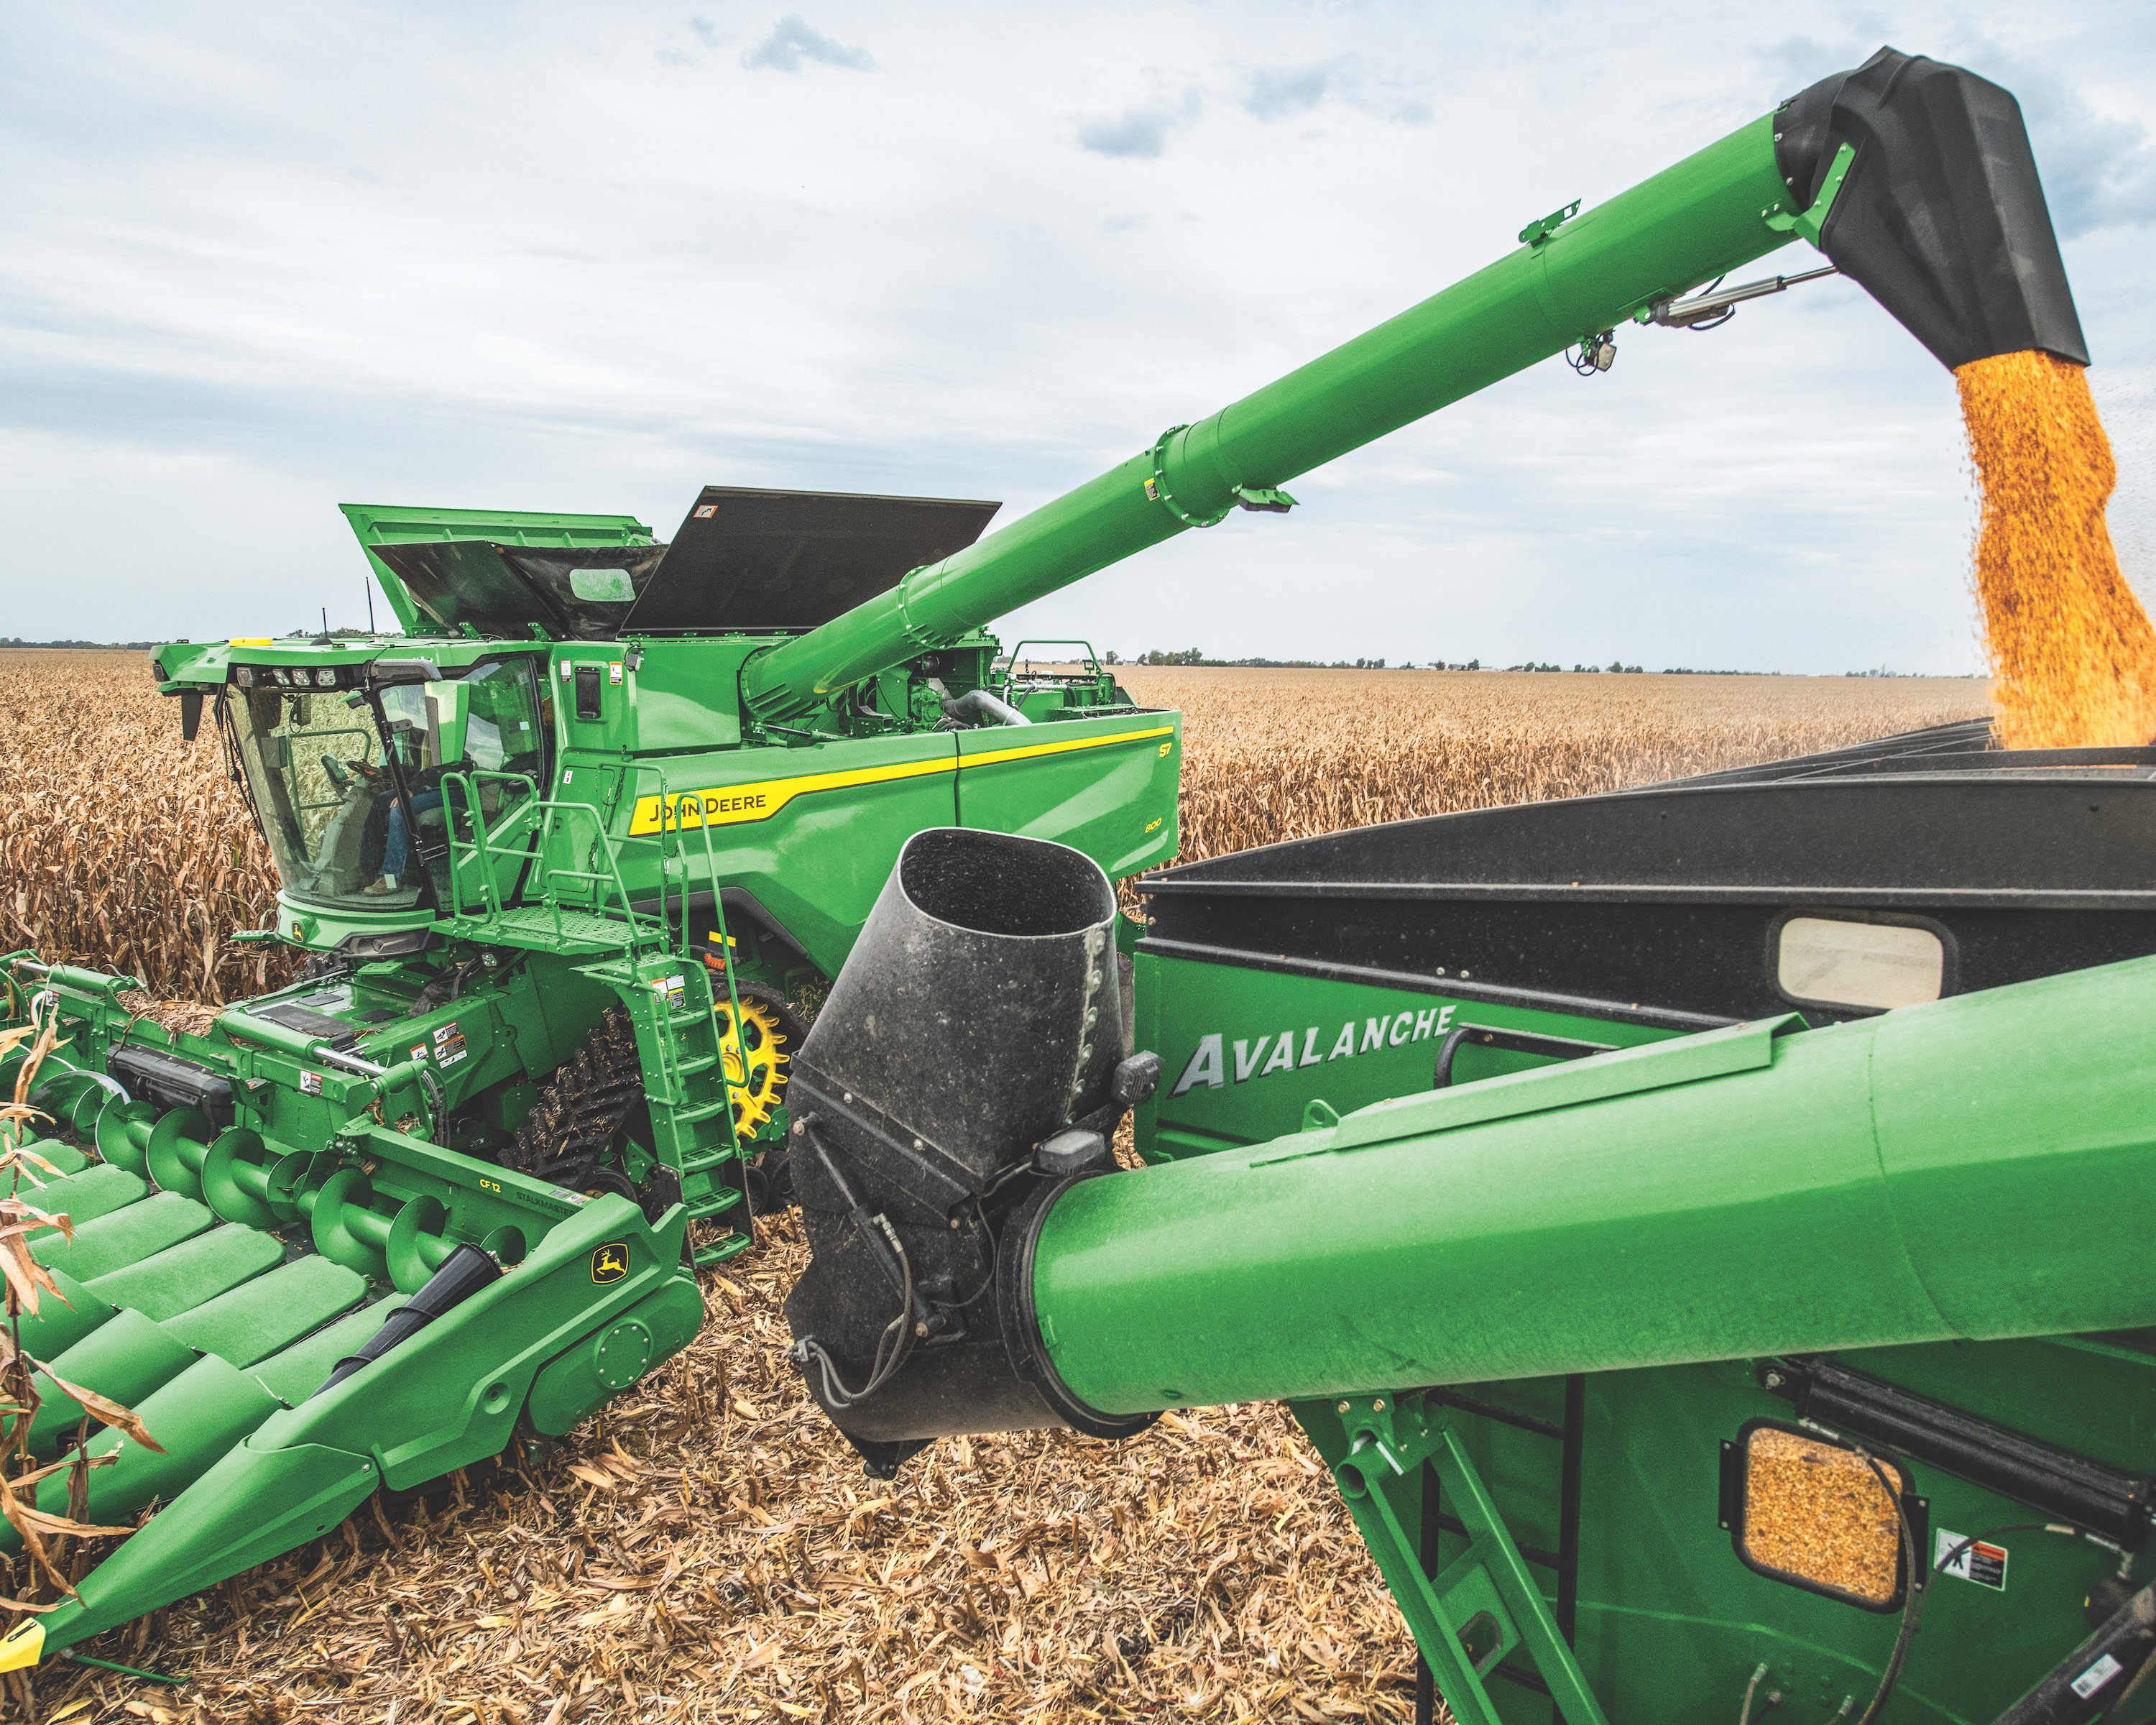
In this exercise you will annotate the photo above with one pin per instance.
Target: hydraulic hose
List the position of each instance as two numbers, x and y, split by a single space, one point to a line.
978 706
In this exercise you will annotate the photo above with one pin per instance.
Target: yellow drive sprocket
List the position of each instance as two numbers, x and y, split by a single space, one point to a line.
757 1058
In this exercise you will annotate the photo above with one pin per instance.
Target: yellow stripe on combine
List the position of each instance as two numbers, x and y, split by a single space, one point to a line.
1029 750
730 805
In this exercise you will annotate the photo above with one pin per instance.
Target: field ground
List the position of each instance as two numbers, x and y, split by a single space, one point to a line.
707 1549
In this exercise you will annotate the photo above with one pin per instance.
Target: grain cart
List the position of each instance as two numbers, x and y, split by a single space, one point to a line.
1706 1229
570 850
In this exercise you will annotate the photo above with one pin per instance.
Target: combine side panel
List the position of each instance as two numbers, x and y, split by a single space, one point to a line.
1105 786
811 833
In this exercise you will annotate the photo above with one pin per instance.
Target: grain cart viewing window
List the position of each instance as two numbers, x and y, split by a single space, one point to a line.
1838 962
1815 1514
327 780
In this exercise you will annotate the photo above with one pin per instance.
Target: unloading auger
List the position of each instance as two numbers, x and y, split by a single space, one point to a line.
568 852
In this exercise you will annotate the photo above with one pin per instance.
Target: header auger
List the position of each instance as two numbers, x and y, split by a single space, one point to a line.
575 854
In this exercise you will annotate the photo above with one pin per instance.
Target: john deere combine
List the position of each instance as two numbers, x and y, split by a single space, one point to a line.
1686 1221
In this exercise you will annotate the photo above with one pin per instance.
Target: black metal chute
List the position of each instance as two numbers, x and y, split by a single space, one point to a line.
1665 905
1942 217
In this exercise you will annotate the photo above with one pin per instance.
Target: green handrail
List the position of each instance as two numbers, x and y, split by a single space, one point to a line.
537 850
670 821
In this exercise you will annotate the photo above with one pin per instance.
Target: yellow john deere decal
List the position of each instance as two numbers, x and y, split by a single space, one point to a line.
729 805
610 1262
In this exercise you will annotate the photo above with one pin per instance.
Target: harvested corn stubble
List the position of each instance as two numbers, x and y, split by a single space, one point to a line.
709 1549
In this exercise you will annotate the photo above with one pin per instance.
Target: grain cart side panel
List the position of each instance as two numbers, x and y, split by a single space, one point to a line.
1248 1041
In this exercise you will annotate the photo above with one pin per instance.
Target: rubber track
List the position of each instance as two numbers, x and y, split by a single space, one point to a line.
582 1107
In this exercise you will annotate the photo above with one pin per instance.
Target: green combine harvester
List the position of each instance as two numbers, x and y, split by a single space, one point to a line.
1705 1229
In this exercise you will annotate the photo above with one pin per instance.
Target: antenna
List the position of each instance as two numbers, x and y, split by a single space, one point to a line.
367 582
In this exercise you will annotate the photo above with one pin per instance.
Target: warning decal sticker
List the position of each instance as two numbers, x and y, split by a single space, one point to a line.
1980 1561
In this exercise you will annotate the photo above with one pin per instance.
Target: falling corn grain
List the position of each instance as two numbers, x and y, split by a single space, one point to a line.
2072 655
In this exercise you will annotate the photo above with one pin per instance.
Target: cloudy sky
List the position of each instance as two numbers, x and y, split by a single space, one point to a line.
258 260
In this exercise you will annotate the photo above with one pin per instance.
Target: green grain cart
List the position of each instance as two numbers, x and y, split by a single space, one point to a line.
1693 1223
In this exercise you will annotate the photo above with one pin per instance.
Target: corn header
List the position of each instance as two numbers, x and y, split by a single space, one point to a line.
1691 1223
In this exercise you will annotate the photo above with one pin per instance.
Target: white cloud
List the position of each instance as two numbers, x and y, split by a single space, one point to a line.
1277 92
1140 131
793 41
258 265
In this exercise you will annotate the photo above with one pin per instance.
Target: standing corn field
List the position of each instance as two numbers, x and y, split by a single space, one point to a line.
1286 754
121 845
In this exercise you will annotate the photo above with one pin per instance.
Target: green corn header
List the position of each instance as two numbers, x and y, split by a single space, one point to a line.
1690 1223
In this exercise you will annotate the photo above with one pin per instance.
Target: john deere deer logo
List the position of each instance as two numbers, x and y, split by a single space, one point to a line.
610 1262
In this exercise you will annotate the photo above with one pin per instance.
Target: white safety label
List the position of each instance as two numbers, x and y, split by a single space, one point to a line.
1977 1561
2097 1676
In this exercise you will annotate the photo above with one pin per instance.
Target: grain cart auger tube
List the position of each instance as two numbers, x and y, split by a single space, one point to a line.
573 851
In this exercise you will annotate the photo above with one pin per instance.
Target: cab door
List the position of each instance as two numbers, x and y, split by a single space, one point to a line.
483 747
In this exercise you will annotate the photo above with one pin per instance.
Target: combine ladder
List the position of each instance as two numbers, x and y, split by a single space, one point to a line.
669 1002
667 992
